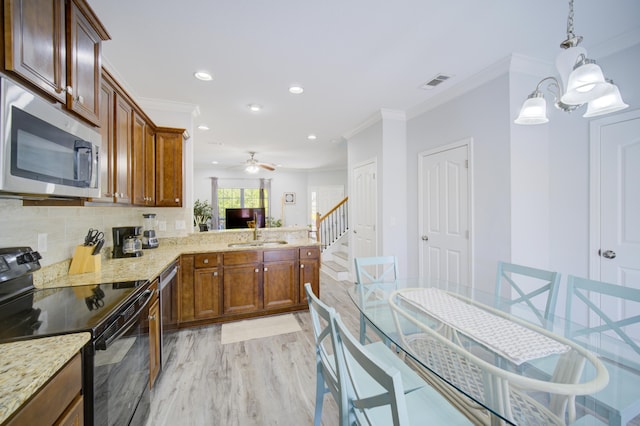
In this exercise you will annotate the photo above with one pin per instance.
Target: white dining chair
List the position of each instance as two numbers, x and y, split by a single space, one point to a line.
529 289
604 304
389 405
327 368
370 271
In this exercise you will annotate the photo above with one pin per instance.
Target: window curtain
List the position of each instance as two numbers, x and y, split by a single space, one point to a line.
265 186
215 211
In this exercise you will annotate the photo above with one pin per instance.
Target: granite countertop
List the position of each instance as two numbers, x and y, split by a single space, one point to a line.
154 261
27 365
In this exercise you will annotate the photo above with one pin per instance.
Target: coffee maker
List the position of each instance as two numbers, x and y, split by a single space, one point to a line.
149 239
126 241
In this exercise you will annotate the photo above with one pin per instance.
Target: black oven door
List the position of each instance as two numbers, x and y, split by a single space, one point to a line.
121 368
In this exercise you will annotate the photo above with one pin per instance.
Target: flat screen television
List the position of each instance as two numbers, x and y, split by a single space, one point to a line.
238 218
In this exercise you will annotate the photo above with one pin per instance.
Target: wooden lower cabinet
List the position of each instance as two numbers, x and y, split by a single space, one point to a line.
309 271
206 293
59 402
227 286
280 284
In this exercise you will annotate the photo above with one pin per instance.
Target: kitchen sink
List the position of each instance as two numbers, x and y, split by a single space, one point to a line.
259 243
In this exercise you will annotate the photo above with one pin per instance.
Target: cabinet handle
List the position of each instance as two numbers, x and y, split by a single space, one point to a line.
257 270
308 253
215 274
177 200
205 261
266 269
301 266
152 317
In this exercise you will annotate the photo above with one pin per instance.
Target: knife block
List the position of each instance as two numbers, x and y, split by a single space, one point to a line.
83 261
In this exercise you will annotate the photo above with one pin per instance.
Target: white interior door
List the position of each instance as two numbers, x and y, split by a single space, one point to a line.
364 196
444 214
615 257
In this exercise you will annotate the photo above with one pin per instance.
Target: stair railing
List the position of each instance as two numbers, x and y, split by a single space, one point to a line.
333 224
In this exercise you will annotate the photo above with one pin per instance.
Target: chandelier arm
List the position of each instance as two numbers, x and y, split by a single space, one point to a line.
555 88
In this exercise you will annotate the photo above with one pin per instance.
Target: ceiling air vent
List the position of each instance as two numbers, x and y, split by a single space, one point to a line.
440 78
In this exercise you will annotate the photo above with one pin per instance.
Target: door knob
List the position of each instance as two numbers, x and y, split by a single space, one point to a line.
609 254
425 238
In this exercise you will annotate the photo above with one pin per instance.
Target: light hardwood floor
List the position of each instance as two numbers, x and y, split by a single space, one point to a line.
269 381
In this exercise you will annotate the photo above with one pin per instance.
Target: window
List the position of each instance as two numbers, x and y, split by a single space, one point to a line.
240 198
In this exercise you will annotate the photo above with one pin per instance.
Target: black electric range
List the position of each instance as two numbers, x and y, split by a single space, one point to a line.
116 359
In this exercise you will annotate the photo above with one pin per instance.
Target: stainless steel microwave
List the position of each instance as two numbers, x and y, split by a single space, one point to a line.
43 150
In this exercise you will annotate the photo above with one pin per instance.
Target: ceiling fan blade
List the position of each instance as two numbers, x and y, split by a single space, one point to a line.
266 166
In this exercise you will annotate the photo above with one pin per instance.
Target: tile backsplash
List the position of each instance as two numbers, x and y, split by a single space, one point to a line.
60 229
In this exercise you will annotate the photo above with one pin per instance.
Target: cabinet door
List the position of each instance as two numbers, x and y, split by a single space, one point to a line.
123 136
186 309
242 289
35 43
149 165
206 293
309 271
168 169
280 284
154 342
83 71
107 154
138 161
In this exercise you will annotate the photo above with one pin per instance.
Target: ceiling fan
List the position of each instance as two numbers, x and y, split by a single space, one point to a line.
253 165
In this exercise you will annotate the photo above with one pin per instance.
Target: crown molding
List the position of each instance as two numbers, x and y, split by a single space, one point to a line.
172 106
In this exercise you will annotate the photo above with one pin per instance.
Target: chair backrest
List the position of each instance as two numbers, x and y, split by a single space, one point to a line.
518 278
352 361
376 269
325 338
594 295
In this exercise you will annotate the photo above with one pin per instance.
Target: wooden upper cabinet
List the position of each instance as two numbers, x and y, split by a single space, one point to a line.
107 155
150 165
34 43
169 146
122 151
84 50
143 162
137 161
56 46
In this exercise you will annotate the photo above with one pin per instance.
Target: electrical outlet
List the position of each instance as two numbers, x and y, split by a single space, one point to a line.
180 224
162 225
42 243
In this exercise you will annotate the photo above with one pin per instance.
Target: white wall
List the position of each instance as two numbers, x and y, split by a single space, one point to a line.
469 116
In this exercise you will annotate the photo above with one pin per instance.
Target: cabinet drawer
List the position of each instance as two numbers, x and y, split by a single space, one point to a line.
282 254
206 260
309 253
242 257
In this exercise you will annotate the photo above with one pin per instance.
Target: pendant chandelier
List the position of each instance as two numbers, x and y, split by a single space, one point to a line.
582 82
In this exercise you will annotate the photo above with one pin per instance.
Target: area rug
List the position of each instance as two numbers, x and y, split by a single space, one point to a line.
239 331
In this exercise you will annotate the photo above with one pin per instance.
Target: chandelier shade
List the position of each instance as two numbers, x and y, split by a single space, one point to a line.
610 102
585 84
534 110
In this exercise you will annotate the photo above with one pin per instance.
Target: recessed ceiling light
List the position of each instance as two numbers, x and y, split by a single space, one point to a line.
203 127
214 162
203 75
312 137
255 107
296 89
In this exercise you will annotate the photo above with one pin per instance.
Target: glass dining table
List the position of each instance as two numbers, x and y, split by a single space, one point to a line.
498 366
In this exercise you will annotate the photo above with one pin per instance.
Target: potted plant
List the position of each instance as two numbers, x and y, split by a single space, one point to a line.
201 214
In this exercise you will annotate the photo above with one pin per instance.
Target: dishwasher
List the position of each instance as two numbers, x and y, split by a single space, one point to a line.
169 309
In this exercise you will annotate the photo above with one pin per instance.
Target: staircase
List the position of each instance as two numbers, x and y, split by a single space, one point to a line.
335 259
